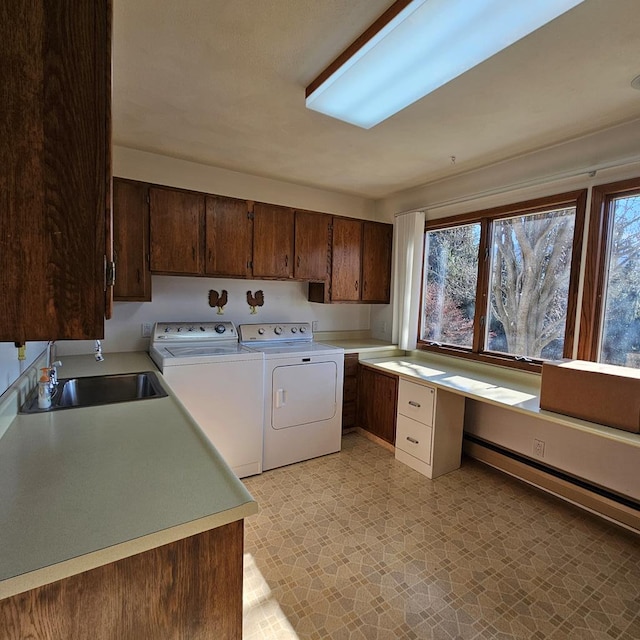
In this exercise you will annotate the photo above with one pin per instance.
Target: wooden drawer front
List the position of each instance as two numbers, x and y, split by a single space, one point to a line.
416 401
350 364
414 438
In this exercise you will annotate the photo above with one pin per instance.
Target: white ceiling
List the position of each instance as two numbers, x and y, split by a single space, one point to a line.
222 83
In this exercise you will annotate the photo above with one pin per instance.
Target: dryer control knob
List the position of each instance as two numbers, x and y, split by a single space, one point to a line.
261 330
303 329
219 328
278 330
294 330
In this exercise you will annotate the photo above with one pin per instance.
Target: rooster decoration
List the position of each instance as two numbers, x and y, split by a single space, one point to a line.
219 301
256 300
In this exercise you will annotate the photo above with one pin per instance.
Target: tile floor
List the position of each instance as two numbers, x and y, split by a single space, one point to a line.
358 546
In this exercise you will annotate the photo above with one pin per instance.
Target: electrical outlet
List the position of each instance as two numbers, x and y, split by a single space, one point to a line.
538 448
314 325
146 329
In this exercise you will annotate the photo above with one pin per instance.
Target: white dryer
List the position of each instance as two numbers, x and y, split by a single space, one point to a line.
302 393
219 382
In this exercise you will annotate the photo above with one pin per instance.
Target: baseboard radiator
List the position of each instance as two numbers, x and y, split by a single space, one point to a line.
613 507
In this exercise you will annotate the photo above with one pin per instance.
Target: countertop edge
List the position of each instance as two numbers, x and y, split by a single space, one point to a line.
27 581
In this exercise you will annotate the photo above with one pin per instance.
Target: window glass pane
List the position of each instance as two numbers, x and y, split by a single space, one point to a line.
529 284
621 321
451 276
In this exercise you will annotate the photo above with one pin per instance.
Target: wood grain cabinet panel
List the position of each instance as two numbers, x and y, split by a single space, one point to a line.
131 240
312 245
273 237
345 260
177 231
377 403
191 588
350 391
360 263
376 262
229 237
55 212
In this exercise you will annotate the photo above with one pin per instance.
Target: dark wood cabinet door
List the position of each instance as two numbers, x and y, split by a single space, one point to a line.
377 403
273 229
54 169
350 390
177 231
312 247
131 240
229 237
376 262
346 260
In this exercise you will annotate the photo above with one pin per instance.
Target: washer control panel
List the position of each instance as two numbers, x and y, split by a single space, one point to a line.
278 332
186 331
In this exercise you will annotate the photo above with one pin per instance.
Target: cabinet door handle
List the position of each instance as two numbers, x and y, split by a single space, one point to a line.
286 261
193 252
415 404
356 285
298 260
138 275
412 440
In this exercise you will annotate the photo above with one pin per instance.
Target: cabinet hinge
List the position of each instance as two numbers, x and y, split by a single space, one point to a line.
148 199
249 215
109 273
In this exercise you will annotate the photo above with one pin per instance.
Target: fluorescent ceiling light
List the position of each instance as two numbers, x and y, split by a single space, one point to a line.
417 46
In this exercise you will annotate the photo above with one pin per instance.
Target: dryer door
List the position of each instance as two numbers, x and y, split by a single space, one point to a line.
303 394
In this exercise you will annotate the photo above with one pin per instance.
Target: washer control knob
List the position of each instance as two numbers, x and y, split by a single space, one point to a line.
219 328
278 331
303 329
261 330
294 329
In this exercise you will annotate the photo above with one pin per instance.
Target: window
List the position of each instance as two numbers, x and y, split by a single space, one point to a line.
501 284
610 320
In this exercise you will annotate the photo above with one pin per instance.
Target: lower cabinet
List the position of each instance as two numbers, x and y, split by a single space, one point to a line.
191 588
429 429
377 402
350 391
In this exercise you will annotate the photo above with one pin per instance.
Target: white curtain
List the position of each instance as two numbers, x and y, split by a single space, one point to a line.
408 245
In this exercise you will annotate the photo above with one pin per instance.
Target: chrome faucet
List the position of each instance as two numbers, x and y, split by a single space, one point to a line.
98 352
52 366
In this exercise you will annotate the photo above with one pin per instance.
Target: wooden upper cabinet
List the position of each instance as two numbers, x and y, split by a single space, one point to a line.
376 262
177 231
273 231
131 240
312 245
229 237
346 260
54 169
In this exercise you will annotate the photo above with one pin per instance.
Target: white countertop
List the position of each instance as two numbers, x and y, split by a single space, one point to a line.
503 387
80 488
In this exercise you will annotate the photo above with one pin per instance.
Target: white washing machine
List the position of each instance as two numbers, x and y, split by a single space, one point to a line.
219 382
302 392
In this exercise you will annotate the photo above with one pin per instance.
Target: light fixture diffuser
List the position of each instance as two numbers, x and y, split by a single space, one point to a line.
417 46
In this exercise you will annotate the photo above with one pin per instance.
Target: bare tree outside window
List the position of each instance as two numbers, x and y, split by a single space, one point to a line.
451 278
620 343
529 284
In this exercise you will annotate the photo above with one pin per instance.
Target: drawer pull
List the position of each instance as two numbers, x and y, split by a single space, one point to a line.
415 404
412 440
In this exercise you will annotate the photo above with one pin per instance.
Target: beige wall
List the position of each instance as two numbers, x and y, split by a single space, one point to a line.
150 167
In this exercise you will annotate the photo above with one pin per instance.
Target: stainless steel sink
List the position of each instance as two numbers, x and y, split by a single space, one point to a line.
98 390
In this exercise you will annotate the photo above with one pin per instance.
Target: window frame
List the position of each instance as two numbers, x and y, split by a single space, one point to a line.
599 234
486 218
